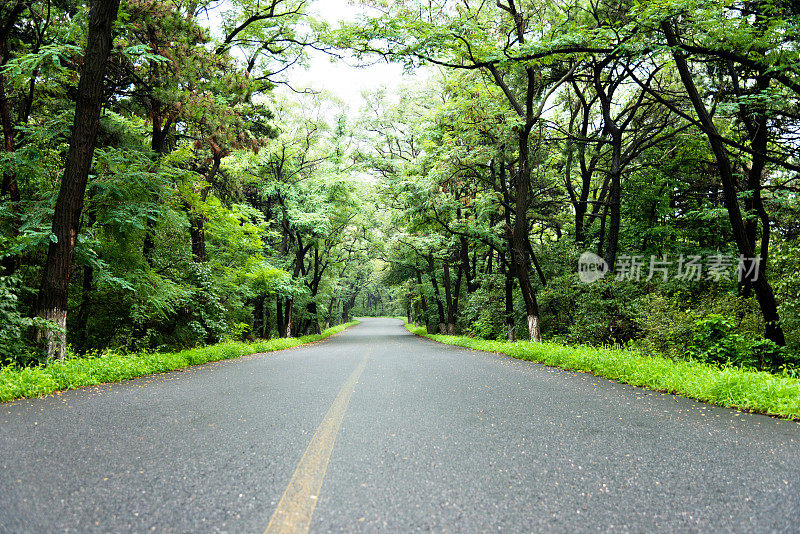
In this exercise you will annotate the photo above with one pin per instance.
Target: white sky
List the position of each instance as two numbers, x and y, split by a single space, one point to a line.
340 77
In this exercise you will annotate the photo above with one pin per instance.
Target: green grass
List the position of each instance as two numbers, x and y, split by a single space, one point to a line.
732 387
75 372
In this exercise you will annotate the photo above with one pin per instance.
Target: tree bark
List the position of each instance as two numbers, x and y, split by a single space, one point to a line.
287 319
615 172
51 303
761 286
81 325
451 321
279 324
423 301
197 226
329 314
580 201
511 326
197 233
519 240
435 284
266 331
312 323
9 179
258 316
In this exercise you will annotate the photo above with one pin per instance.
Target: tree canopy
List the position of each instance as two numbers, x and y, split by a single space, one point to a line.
159 191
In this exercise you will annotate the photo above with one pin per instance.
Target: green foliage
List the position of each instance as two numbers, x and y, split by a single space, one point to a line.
14 348
484 312
110 366
715 340
732 387
213 203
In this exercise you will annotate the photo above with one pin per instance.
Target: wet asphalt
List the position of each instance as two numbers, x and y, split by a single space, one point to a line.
435 438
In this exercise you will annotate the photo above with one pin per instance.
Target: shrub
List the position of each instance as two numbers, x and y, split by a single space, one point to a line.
484 313
14 347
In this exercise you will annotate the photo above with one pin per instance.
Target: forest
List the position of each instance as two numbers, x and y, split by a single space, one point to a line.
160 192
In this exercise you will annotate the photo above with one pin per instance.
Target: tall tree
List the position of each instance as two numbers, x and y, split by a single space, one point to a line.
51 303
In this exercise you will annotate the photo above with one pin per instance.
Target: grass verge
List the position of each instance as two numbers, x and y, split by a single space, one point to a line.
731 387
75 372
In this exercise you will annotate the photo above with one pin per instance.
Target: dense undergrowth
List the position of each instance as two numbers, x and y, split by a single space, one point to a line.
730 386
21 382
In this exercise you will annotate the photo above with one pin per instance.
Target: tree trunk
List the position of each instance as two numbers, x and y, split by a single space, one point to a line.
329 314
615 216
258 316
519 240
266 330
197 225
423 301
756 121
615 172
312 324
348 305
9 179
511 326
287 320
279 324
601 240
451 321
763 289
51 303
197 233
81 325
435 284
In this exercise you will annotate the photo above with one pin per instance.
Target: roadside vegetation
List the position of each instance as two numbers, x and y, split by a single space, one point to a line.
645 135
210 208
728 386
110 366
659 136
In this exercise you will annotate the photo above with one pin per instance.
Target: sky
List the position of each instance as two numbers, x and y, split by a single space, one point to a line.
340 77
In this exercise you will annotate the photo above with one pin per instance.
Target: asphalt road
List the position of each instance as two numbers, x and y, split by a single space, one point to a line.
402 434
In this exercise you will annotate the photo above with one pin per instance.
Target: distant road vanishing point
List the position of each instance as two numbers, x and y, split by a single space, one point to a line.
376 430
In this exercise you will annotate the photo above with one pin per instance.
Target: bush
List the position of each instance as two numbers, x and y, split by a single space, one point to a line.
240 332
602 312
14 347
776 394
715 341
109 366
484 313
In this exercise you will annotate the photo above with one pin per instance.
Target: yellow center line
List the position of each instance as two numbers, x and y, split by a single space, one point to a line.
296 506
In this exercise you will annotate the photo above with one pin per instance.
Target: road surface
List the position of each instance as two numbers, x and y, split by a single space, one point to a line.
378 430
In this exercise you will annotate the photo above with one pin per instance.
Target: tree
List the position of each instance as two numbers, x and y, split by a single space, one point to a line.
51 303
